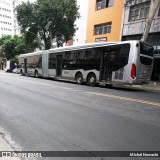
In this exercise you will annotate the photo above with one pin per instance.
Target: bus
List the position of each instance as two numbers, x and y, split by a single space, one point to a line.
126 62
156 67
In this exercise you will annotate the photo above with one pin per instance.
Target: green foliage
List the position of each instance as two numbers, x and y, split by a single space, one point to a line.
2 39
13 46
8 46
49 19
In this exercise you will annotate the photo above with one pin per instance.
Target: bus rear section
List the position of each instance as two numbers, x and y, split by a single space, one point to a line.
145 65
142 64
114 63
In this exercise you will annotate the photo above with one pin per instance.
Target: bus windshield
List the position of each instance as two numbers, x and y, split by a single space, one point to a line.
146 54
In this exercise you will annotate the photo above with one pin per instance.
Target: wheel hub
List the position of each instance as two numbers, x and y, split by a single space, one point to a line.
91 80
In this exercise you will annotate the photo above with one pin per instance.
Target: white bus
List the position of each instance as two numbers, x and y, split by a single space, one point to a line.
127 62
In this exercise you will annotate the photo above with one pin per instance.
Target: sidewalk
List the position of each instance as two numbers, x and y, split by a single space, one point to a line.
4 146
152 86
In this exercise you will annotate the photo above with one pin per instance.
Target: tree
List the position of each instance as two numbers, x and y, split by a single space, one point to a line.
49 19
8 46
13 46
153 9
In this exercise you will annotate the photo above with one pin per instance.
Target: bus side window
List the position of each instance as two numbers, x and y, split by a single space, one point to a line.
80 55
40 62
52 61
121 58
73 57
66 60
92 54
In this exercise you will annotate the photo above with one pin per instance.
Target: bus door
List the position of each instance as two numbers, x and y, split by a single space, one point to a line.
59 65
107 66
25 66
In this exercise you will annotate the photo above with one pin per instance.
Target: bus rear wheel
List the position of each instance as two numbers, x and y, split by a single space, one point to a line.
91 80
79 78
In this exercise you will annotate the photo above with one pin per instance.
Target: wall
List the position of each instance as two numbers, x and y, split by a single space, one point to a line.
112 14
137 27
6 17
81 23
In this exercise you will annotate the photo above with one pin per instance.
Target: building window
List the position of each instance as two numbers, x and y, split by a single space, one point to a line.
103 28
139 11
104 4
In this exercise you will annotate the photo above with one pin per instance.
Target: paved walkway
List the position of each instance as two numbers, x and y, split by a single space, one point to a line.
152 86
4 146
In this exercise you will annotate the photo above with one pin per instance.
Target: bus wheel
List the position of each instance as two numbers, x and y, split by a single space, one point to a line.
79 78
91 80
36 74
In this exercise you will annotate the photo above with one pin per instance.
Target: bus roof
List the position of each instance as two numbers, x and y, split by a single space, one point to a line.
31 54
77 47
89 45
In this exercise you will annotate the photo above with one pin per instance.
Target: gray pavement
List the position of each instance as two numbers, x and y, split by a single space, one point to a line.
4 146
153 86
51 115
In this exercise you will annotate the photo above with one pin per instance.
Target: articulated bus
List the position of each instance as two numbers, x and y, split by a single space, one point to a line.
127 62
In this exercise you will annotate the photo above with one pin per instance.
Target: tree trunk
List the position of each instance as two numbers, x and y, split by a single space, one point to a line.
153 9
47 42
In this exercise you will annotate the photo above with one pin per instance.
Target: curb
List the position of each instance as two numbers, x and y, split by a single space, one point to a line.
148 88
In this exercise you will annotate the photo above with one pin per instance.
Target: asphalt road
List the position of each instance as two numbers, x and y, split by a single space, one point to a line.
47 115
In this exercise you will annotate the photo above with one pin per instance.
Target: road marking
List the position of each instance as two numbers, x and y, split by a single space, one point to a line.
91 93
125 98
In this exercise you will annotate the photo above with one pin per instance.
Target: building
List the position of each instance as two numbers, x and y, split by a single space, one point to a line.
135 15
134 22
15 23
6 17
81 24
6 24
16 27
104 20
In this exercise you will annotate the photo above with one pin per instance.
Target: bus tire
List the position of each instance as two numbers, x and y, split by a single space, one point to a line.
91 80
36 74
79 78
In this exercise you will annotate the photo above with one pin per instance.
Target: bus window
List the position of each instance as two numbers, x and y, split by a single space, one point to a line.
146 54
80 55
66 59
92 54
52 61
92 59
121 56
40 62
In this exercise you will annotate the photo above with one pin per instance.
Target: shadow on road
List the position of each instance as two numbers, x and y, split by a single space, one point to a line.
121 88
